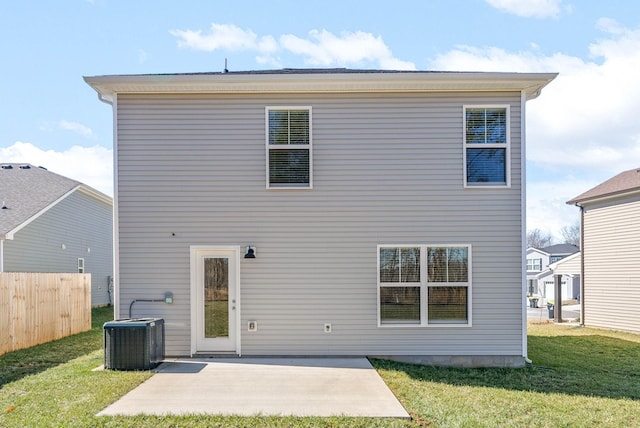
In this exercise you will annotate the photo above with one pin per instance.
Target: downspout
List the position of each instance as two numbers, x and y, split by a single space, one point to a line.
581 265
116 227
523 222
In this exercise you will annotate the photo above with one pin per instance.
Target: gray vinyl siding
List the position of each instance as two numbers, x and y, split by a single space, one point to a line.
79 222
387 169
612 265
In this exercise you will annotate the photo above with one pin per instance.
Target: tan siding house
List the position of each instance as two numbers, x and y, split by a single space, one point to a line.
324 212
611 252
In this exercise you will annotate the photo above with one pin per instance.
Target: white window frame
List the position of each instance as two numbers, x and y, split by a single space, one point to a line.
425 285
506 146
81 265
532 263
269 147
403 285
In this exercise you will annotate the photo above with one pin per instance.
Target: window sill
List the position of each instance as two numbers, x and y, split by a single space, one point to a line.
289 187
423 325
487 186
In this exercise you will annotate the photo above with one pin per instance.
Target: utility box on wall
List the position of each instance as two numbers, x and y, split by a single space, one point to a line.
133 344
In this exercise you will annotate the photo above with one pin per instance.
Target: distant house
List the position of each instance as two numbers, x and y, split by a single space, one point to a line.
50 223
570 269
610 217
540 282
324 212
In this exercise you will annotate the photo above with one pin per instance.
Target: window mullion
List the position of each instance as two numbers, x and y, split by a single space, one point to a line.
289 127
446 264
424 289
486 134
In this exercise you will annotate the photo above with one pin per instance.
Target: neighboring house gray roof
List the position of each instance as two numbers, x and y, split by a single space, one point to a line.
625 182
561 249
27 190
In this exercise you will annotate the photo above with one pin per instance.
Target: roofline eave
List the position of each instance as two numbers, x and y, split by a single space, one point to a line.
579 202
531 84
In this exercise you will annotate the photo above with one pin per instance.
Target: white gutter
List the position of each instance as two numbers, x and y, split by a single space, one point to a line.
116 240
308 82
523 214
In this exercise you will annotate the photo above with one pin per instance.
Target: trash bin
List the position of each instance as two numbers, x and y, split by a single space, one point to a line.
133 344
551 309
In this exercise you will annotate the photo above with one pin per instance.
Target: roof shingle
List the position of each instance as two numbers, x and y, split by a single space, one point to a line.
25 190
624 182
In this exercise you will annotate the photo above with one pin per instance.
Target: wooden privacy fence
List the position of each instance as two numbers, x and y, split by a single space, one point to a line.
40 307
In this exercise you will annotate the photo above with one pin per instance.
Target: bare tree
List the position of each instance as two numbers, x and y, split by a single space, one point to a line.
538 239
571 234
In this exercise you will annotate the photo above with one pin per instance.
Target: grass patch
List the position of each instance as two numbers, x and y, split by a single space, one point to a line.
216 316
18 364
579 377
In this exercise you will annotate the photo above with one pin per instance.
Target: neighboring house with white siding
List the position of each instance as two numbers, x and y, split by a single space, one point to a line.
51 223
540 282
324 212
610 224
569 268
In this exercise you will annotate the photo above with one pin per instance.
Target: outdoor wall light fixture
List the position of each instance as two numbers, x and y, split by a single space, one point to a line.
250 254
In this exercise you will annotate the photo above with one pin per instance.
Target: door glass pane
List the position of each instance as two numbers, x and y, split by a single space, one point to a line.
216 297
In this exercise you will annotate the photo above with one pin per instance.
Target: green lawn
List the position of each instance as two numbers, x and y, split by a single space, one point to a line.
216 315
580 377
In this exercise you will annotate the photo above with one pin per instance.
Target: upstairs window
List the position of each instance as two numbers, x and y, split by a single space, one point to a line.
80 265
534 264
486 146
289 157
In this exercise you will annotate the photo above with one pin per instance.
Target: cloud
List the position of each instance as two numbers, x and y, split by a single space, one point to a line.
76 127
92 166
547 207
320 48
224 37
324 48
587 117
583 129
529 8
143 56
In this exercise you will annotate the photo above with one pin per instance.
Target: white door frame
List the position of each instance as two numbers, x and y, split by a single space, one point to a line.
197 251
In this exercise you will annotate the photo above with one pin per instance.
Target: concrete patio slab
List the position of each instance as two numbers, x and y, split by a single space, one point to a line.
262 386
